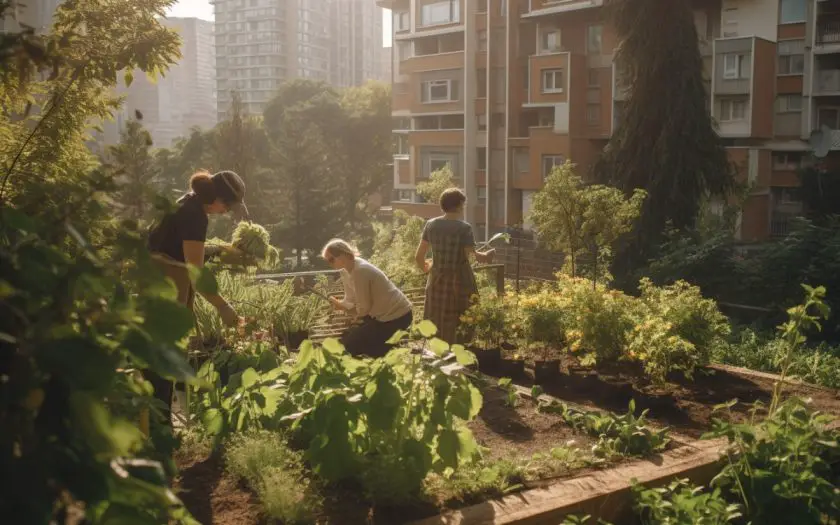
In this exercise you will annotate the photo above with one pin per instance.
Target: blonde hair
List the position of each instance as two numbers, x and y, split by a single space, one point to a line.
336 247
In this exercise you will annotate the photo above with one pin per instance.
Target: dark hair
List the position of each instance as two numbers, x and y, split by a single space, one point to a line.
452 198
225 185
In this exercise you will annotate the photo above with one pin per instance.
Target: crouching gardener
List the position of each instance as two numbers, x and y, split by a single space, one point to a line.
378 304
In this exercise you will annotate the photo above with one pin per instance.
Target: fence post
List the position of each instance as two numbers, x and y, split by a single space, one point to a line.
500 279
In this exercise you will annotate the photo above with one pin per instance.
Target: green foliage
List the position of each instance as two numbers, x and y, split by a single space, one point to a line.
581 219
665 141
132 164
394 248
511 392
681 503
818 364
780 468
77 322
253 240
438 182
491 320
276 473
618 435
387 422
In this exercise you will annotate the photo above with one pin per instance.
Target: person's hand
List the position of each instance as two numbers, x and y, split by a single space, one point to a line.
427 266
489 255
336 303
230 317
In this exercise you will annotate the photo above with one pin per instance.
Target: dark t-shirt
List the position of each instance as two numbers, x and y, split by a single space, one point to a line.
187 223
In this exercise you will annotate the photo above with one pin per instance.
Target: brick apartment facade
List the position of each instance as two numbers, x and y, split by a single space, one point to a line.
501 90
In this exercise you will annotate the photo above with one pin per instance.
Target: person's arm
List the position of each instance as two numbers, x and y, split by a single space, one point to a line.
483 257
364 300
423 250
348 303
420 257
194 255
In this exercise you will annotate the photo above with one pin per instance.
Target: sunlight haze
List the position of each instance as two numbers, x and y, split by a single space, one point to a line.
204 10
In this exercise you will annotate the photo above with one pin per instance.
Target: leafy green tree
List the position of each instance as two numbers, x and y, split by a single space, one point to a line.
73 323
366 140
394 248
582 219
438 182
665 141
134 170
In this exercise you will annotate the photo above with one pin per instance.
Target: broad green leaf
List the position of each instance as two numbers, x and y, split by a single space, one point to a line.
166 321
448 447
213 421
464 356
468 447
397 337
206 283
438 346
124 514
333 346
426 328
249 378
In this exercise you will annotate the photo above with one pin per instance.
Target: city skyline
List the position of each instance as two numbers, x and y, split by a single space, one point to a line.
203 10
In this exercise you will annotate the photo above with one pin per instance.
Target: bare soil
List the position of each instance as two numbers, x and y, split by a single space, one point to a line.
685 405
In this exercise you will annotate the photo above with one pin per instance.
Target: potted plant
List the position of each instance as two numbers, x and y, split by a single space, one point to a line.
485 323
543 327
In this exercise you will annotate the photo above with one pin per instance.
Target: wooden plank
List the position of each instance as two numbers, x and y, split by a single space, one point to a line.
603 494
771 377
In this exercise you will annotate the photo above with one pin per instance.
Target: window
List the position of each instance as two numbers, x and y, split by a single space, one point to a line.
437 160
401 20
793 11
546 119
481 157
482 122
550 40
736 66
552 81
783 160
441 12
405 195
521 160
593 40
594 78
829 117
439 91
482 6
482 40
481 193
403 50
481 83
791 57
731 110
437 164
549 162
789 104
593 114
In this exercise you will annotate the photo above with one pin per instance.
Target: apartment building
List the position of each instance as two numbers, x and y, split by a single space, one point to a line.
355 43
36 14
503 90
262 43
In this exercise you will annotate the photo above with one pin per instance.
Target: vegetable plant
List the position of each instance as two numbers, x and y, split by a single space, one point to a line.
254 241
681 503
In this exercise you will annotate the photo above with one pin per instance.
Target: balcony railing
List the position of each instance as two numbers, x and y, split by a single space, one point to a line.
780 223
828 80
828 32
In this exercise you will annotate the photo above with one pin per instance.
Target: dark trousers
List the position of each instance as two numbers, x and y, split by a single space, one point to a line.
371 336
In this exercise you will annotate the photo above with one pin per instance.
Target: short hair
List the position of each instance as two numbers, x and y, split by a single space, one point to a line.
336 247
452 198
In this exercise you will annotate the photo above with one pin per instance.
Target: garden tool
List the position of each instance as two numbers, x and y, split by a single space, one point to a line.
491 240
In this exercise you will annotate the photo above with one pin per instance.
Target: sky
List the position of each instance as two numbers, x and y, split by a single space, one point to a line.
203 10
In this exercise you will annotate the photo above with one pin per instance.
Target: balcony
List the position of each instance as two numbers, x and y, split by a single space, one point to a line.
827 82
549 7
828 36
402 172
450 60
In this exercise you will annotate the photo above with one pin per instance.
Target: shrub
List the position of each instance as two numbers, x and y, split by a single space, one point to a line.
598 321
490 321
655 343
694 318
276 474
542 319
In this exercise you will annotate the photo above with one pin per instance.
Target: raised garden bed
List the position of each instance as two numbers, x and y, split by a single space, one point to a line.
682 404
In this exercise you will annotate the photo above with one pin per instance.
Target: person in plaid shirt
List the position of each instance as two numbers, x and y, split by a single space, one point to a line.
451 286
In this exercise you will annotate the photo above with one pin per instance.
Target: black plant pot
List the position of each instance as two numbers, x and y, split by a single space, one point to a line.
295 339
546 372
489 360
513 368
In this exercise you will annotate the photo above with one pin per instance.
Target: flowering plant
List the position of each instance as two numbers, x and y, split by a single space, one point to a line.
489 321
542 317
